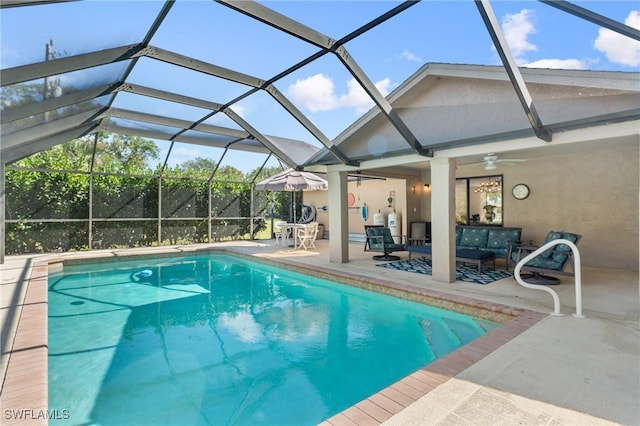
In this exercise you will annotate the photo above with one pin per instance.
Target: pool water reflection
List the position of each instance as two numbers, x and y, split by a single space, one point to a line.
215 339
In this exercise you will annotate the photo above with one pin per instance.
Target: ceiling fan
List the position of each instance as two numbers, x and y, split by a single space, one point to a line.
491 161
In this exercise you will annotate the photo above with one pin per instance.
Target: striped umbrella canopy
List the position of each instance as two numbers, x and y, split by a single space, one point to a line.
293 180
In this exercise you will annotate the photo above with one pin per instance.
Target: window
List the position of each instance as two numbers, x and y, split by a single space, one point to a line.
479 201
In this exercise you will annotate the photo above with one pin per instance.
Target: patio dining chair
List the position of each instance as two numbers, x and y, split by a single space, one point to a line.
278 232
306 236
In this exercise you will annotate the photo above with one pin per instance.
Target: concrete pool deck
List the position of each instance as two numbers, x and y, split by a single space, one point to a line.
551 370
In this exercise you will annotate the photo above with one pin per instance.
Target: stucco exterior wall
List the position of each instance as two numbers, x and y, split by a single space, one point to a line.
372 192
594 193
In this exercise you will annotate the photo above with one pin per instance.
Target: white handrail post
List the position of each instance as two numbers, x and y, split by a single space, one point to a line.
577 272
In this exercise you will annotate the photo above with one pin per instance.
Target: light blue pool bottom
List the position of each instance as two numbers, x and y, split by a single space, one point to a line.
213 339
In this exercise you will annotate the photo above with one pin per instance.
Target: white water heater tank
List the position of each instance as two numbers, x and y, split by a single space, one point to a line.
379 219
395 227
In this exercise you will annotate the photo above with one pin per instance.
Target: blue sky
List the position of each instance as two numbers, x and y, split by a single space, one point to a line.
431 31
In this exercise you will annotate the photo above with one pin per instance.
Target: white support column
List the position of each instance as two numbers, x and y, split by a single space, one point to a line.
338 218
2 213
443 226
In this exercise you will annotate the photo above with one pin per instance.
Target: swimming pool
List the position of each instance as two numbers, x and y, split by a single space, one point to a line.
215 339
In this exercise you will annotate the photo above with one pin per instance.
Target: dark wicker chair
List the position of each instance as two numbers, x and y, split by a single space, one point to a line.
553 261
379 238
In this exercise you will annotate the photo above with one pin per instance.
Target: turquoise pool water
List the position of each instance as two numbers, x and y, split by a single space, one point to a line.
216 340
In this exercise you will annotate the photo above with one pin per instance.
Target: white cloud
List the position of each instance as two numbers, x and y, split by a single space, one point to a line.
182 153
618 48
567 64
238 109
411 56
243 325
517 28
317 93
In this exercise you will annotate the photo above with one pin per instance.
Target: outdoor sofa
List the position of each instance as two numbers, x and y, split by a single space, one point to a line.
477 244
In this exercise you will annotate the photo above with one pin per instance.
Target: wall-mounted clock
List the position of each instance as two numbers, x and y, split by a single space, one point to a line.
520 191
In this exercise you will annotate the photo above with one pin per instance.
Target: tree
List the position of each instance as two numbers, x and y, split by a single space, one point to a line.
124 154
61 191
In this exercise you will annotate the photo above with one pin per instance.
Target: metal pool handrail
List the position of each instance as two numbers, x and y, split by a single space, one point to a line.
577 272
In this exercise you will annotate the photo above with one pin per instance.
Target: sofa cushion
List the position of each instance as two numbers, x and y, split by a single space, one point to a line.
561 251
553 258
458 235
474 238
374 243
499 238
539 262
552 235
386 241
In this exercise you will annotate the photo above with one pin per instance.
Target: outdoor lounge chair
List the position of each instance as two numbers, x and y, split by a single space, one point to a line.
552 261
379 238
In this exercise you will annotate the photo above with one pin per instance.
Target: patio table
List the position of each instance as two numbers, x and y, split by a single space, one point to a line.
289 231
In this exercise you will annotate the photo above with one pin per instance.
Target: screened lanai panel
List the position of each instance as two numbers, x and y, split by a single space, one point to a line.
74 155
607 50
443 34
223 120
172 78
143 126
208 139
269 117
158 107
230 200
240 166
184 231
335 19
117 234
271 167
37 195
124 197
218 35
24 99
75 124
378 138
69 111
563 52
74 28
229 229
184 198
155 160
194 161
566 104
46 237
619 11
327 94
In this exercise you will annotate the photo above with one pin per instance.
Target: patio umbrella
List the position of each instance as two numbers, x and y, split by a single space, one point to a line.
293 180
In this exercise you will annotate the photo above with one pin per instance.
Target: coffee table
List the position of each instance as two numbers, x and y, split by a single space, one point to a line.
475 256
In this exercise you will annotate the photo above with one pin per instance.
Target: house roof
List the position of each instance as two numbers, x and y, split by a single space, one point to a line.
104 84
454 105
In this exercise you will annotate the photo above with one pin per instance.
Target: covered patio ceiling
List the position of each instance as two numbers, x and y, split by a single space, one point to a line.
148 77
